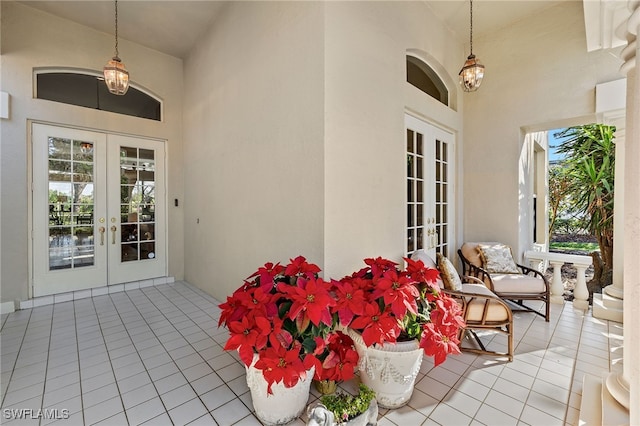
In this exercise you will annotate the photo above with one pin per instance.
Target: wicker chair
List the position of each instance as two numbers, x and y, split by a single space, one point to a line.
481 309
528 284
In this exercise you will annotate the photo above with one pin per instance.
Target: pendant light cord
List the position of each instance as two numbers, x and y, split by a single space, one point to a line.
116 28
470 25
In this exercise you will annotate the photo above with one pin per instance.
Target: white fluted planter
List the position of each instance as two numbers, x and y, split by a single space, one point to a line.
285 404
390 370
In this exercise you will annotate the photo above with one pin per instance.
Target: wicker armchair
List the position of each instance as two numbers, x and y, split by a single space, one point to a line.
481 309
527 284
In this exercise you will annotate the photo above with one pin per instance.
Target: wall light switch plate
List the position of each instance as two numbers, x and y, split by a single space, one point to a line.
4 105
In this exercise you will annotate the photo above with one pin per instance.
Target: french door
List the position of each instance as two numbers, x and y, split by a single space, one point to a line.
98 209
429 189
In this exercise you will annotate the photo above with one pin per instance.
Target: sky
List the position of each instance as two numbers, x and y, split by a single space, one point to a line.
553 156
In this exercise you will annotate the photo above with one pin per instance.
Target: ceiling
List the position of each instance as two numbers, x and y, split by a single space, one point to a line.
173 27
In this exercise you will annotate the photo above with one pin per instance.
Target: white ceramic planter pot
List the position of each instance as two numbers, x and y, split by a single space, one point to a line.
285 404
389 370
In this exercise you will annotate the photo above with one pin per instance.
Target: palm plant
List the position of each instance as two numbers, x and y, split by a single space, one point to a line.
589 165
558 201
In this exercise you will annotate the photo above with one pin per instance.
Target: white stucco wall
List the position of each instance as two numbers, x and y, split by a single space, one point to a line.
254 142
365 143
294 122
32 38
538 76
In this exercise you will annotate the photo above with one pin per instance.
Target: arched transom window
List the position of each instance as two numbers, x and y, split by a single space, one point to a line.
88 90
425 78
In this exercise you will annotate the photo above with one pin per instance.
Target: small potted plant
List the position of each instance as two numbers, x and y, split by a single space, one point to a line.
395 317
345 409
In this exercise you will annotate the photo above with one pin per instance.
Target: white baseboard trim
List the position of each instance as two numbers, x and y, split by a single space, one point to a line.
93 292
7 307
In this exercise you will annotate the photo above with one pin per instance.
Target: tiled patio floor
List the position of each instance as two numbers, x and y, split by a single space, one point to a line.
154 356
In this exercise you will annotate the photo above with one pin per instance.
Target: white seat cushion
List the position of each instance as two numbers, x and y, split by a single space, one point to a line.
475 308
517 283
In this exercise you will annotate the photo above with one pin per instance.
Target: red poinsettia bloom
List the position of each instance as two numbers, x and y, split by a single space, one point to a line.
350 300
231 310
379 265
300 267
447 314
267 275
243 338
420 273
439 345
310 298
272 327
257 302
280 365
376 326
397 291
337 358
342 360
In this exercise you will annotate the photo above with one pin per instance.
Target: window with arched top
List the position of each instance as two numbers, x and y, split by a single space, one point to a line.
87 89
425 78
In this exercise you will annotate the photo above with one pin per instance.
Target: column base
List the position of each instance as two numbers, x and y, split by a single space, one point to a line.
607 308
618 387
598 407
582 305
614 291
559 300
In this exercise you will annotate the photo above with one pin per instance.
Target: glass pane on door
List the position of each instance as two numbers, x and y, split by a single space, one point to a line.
71 203
137 204
442 192
415 192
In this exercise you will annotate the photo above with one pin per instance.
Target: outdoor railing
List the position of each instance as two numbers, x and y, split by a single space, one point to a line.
580 293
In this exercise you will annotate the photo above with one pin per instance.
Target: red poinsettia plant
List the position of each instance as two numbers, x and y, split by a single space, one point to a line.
282 315
387 305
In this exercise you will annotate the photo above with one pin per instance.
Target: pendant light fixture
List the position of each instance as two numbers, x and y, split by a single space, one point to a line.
115 74
472 71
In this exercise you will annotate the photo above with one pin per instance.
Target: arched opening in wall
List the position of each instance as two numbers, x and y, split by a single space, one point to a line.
422 76
87 89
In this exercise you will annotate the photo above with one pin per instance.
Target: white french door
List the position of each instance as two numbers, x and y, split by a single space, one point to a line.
429 189
98 209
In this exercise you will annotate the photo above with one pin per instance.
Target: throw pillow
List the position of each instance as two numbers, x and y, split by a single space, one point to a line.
497 259
449 274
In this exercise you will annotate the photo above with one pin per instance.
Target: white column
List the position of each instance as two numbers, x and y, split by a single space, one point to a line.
616 289
626 387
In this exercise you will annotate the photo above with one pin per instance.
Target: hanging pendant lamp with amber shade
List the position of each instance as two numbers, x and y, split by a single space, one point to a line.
115 74
472 71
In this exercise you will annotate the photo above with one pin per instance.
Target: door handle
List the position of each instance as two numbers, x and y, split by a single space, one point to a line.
101 230
113 234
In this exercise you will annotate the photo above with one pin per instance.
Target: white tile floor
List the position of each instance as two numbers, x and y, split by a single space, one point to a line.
154 356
